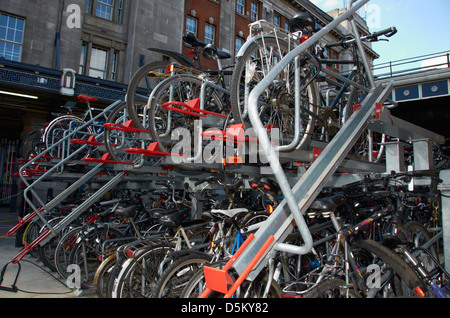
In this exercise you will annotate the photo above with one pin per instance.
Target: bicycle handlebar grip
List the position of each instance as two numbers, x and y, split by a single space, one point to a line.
387 32
333 44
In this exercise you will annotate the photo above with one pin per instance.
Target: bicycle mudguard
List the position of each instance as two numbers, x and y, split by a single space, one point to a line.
176 56
250 41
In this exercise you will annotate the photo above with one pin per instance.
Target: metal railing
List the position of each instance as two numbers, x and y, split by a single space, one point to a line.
412 65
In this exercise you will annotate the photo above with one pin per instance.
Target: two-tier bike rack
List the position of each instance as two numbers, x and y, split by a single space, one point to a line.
269 238
257 250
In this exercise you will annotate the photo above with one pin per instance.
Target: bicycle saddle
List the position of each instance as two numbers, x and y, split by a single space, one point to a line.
303 21
127 212
172 220
231 213
211 52
328 204
85 98
192 40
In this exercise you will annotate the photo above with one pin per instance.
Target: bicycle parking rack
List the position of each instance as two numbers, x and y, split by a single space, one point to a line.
270 236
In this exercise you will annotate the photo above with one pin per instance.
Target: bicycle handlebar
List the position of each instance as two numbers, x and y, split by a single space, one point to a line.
386 32
370 38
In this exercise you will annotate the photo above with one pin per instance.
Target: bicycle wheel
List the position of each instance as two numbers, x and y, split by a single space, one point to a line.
102 275
32 144
370 146
118 140
402 280
61 127
178 274
163 122
47 251
417 235
276 104
144 81
88 251
140 273
32 232
64 249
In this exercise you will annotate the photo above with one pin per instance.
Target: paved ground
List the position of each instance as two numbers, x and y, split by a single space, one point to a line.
34 280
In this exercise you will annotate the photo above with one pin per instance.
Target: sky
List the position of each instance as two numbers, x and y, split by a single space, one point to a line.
423 26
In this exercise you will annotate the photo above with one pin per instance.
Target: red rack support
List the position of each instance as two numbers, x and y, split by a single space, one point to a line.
127 127
234 134
106 158
34 172
91 141
215 278
152 150
192 107
22 222
219 280
28 248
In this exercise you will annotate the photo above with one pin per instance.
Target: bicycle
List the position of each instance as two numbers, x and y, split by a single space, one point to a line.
300 117
62 125
148 77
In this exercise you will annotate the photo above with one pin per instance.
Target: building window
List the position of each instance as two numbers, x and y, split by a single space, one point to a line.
239 42
254 11
191 25
333 55
111 10
94 62
105 9
119 11
240 7
210 32
11 37
114 66
276 19
98 66
88 6
82 60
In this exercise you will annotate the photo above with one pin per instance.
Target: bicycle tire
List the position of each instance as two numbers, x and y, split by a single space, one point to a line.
177 275
102 275
180 88
90 259
136 99
136 280
32 232
46 252
279 93
369 141
117 141
58 127
63 251
407 275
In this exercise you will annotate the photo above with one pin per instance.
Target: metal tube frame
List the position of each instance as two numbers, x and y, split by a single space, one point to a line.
30 187
263 137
